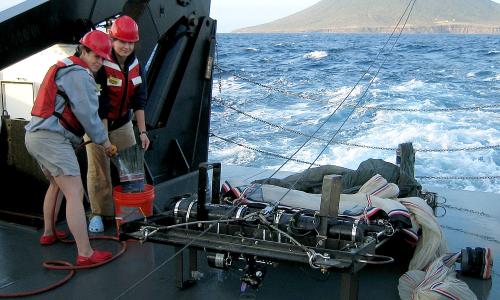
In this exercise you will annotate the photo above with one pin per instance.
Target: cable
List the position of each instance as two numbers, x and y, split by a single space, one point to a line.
283 128
486 107
64 265
45 289
171 257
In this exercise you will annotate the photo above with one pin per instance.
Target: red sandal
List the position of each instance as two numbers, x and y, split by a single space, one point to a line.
51 239
96 257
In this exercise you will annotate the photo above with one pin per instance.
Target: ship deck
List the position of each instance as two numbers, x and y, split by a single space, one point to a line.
147 271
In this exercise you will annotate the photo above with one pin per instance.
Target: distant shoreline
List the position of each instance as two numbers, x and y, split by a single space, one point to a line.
356 32
450 29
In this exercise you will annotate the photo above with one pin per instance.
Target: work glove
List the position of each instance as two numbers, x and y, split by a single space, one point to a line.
111 151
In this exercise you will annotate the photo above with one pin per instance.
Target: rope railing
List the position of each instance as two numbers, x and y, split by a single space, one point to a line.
457 177
262 151
475 148
309 163
450 109
367 107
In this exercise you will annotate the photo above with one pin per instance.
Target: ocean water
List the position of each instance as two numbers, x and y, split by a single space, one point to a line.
272 92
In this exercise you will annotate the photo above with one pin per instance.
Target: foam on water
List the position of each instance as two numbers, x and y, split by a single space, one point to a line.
342 92
316 55
408 86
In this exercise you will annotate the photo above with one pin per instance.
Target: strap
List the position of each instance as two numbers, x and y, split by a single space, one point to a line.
63 121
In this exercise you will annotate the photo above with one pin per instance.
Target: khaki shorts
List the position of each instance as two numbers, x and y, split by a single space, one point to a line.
53 152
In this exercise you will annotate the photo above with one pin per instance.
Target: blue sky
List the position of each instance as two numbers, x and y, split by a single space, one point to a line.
233 14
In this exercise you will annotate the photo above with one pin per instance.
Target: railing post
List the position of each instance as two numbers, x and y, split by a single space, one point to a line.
407 159
329 208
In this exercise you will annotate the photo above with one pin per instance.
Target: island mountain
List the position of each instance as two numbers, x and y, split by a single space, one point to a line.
428 16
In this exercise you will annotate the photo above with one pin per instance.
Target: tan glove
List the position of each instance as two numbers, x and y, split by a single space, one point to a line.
111 150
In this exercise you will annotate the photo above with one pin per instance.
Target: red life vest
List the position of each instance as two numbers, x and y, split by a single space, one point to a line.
45 102
121 87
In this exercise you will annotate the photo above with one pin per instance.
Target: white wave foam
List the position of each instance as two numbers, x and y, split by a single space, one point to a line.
316 55
408 86
342 92
233 154
496 78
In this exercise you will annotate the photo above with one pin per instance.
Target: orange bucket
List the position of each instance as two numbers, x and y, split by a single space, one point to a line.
127 204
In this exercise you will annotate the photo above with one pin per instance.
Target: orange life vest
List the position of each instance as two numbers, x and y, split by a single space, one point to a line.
45 102
120 87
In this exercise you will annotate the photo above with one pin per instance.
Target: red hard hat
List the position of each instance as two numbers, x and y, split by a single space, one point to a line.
98 42
125 28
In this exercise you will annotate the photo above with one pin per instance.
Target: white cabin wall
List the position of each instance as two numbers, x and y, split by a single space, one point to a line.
18 94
